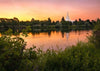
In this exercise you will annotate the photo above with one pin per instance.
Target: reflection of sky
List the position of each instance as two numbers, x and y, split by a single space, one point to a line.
45 41
55 40
42 9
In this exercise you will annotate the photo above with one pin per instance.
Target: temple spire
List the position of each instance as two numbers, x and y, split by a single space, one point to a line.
67 18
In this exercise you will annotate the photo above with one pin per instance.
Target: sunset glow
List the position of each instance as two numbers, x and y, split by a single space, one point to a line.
55 9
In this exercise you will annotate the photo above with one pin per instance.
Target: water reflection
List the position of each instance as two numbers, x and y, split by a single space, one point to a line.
55 39
67 35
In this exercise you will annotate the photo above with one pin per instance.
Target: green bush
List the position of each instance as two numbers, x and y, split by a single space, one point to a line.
95 38
11 51
77 58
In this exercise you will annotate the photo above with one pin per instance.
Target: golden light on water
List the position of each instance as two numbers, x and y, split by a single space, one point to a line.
56 39
0 35
49 40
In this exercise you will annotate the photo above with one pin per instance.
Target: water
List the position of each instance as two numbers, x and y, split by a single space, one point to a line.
55 40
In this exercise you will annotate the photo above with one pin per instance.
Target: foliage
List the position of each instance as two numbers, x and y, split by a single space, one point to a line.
95 38
26 30
11 51
8 32
78 58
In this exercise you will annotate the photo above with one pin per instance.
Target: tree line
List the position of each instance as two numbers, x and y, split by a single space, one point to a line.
17 25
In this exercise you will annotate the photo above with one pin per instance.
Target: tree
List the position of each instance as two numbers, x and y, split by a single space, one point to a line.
75 22
32 19
49 21
63 19
16 19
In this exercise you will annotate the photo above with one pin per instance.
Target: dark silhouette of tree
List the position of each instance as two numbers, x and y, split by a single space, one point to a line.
32 20
49 20
63 19
16 19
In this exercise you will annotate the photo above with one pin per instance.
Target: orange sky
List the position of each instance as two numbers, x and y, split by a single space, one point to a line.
55 9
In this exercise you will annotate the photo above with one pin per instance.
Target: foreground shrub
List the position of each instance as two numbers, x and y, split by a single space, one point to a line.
11 51
95 38
77 58
12 55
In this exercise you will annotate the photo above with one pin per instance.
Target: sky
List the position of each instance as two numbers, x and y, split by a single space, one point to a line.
55 9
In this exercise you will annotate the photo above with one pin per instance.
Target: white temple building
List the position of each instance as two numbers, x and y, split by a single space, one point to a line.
67 17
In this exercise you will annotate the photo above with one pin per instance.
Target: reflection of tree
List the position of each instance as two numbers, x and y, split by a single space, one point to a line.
49 33
62 34
79 35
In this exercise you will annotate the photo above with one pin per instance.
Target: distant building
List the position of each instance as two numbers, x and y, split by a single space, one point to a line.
68 18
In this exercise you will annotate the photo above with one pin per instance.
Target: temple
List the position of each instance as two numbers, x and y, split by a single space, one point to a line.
67 18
